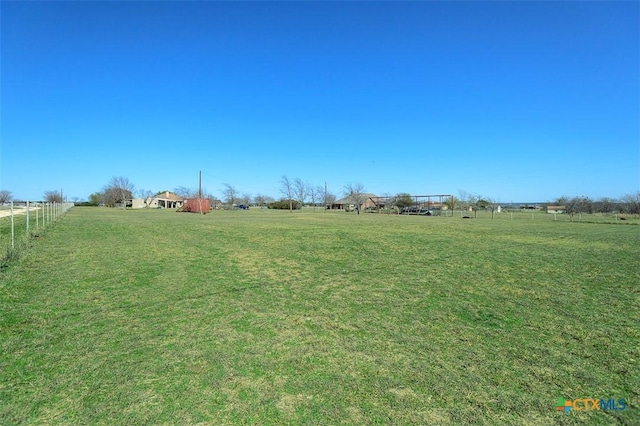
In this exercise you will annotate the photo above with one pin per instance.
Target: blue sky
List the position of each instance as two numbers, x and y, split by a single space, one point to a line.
517 101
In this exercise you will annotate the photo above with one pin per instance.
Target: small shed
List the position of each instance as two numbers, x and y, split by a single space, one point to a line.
556 209
196 205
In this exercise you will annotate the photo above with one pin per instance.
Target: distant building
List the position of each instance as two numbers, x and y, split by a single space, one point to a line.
163 200
556 209
348 204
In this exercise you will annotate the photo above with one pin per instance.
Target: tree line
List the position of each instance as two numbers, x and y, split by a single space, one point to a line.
296 193
49 196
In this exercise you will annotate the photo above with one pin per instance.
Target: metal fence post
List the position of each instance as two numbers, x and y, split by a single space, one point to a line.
13 244
27 217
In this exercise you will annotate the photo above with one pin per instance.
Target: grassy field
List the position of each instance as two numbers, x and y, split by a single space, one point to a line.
262 317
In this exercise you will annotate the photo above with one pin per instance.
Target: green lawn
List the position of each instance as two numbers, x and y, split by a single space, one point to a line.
262 317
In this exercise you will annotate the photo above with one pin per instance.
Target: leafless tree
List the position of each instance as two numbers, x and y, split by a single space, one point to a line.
287 189
356 193
110 197
450 202
53 196
574 205
389 202
185 192
206 195
492 204
631 203
245 199
604 205
5 196
474 202
463 197
147 195
315 192
261 200
229 193
300 191
330 198
118 190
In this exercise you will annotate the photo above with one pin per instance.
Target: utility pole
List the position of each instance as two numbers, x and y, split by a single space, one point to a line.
325 196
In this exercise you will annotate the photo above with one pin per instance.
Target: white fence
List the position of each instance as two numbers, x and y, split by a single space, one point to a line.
19 221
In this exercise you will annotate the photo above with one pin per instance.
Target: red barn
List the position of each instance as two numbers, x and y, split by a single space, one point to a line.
196 205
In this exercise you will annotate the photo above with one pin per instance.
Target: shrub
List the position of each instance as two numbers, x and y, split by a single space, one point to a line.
283 204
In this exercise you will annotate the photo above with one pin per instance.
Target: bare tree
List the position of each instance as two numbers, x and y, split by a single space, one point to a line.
245 199
315 192
109 197
474 202
574 205
388 201
631 203
261 200
206 195
492 204
300 191
450 202
355 193
286 188
463 197
229 193
53 196
329 198
5 196
185 192
605 205
147 195
118 190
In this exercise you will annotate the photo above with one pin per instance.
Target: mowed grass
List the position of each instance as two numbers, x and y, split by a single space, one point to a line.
262 317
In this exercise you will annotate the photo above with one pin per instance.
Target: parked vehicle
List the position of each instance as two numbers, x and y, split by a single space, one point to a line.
416 210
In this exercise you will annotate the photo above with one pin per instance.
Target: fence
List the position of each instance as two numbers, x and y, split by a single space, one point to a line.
536 216
21 221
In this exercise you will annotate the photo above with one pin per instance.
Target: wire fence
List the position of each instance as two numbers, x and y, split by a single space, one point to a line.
535 216
22 221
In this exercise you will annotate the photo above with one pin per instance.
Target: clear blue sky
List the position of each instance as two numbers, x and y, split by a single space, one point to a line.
518 101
